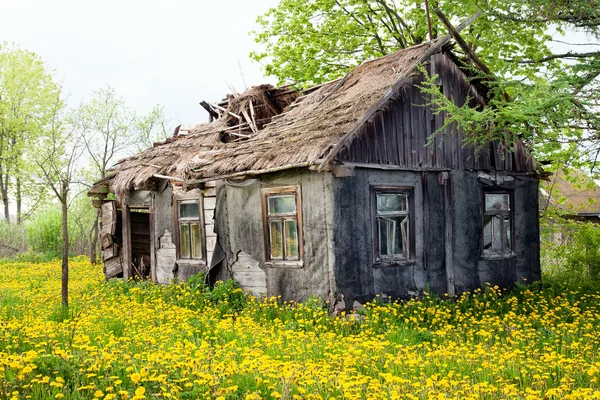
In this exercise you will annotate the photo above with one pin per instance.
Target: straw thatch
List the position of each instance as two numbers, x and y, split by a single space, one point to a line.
302 136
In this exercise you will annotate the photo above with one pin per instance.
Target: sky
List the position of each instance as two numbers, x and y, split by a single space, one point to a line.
174 53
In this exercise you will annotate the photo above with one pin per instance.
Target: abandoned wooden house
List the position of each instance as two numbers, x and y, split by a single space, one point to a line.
329 190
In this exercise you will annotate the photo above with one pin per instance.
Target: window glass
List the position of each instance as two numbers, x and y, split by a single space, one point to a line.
282 204
291 239
506 232
276 236
189 210
392 202
394 233
196 238
497 202
184 241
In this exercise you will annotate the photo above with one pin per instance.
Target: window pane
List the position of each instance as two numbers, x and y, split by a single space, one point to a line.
196 240
184 241
392 202
276 239
507 233
492 232
384 233
282 204
189 210
497 202
291 239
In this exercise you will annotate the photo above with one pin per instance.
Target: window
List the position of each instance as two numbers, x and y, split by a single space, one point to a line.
393 240
497 223
189 229
282 221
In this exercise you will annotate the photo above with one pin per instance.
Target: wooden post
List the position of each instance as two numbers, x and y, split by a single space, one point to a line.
126 222
152 243
449 234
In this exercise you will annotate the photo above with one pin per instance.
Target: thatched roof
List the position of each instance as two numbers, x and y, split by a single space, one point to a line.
303 135
575 193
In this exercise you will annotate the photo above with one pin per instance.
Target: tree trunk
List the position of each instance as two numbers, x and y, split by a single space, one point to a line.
4 193
18 199
94 238
65 249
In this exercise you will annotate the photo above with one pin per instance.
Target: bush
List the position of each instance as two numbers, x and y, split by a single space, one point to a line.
12 239
571 251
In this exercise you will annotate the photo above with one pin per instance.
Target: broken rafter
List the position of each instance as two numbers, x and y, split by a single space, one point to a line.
226 111
461 42
209 109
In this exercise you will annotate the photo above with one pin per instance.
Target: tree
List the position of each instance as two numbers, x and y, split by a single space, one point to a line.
552 97
109 129
59 150
26 92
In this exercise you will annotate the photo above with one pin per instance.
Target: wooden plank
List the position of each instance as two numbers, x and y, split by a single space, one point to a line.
108 221
126 251
210 243
448 234
152 245
112 267
110 252
210 184
209 217
209 192
210 203
209 231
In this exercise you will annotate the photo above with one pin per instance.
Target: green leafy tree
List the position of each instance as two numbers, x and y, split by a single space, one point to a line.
26 92
552 97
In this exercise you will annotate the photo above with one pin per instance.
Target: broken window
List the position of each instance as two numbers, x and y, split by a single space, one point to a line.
189 220
497 223
393 225
281 208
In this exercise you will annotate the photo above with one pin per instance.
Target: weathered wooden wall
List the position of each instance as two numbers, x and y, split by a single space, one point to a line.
358 278
398 134
241 235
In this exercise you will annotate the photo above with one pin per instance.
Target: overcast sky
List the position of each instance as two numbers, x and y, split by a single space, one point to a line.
174 53
169 52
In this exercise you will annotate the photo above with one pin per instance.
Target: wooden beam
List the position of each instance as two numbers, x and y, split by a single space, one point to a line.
170 178
434 48
212 113
461 42
126 231
445 179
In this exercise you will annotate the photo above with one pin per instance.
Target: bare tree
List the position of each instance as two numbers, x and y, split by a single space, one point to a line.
57 159
109 129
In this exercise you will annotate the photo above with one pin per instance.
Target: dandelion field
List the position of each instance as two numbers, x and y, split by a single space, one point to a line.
138 340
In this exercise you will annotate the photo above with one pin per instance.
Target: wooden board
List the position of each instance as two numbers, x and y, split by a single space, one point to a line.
113 267
110 252
108 221
249 275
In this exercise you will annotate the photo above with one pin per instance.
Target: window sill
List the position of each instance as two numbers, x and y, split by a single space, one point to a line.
284 264
191 262
498 255
397 263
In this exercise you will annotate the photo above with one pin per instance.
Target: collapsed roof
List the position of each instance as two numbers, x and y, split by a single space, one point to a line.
303 135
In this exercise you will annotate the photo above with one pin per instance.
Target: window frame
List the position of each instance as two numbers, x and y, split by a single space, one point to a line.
266 193
378 259
505 252
189 198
